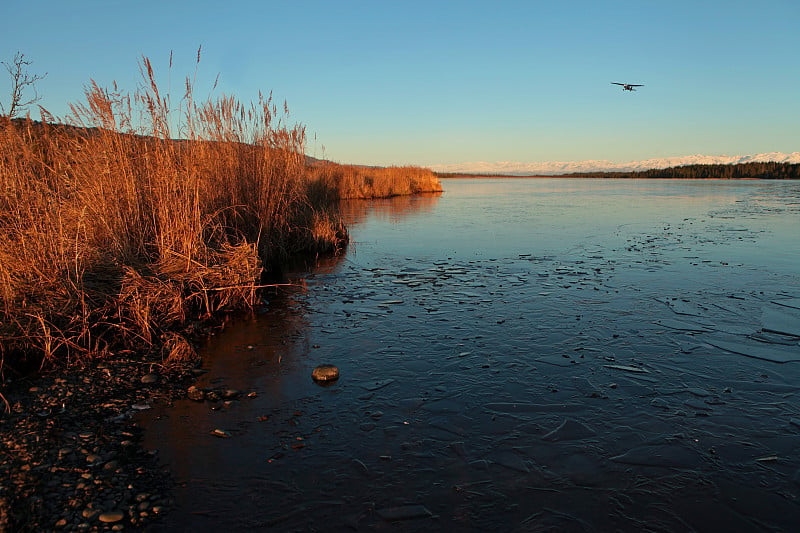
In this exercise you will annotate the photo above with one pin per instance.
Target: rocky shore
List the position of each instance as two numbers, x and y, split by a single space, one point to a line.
71 455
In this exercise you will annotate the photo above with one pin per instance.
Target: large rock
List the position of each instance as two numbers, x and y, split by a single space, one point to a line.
325 373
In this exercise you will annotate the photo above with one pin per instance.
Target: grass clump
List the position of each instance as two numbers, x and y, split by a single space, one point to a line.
113 233
354 181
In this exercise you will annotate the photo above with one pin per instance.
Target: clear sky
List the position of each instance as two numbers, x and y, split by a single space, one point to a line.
435 82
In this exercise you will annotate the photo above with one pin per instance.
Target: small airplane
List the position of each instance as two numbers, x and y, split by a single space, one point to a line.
627 86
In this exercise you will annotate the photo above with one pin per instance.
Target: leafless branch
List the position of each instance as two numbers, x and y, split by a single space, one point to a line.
22 82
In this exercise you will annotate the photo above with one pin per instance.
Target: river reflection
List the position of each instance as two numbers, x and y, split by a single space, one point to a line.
395 209
516 355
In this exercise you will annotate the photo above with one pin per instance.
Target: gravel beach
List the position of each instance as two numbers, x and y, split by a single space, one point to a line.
71 453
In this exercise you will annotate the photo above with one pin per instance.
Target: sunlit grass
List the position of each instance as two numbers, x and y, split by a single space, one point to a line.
113 233
353 181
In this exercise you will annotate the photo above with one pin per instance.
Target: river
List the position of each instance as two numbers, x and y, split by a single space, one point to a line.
514 355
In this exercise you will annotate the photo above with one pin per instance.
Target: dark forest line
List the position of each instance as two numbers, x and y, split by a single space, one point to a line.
719 171
716 171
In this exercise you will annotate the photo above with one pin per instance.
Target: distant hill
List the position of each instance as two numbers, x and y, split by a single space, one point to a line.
766 170
549 168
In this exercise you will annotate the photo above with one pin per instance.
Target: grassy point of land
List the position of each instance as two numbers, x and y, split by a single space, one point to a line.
120 229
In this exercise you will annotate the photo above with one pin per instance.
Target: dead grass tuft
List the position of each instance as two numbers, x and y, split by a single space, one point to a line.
177 350
353 181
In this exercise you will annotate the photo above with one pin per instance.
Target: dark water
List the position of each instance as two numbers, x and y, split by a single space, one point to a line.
516 355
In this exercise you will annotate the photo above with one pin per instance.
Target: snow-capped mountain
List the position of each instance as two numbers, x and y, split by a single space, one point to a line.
546 168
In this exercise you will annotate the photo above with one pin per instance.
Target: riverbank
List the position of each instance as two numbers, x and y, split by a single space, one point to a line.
120 247
115 235
71 454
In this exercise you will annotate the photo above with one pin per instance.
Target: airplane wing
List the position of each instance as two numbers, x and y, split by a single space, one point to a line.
615 83
634 85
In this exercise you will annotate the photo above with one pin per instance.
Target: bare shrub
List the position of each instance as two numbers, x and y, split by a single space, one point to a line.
22 84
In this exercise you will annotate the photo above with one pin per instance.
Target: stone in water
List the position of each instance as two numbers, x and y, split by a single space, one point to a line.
325 373
195 394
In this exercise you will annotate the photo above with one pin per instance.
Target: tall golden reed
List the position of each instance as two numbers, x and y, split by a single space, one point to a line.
141 215
354 181
111 231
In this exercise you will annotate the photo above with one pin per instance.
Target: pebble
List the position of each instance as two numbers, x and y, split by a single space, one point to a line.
111 517
325 373
195 394
149 378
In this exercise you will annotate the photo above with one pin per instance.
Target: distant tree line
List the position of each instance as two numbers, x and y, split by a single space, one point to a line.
770 171
779 171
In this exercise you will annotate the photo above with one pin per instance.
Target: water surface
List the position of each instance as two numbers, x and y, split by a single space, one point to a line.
539 354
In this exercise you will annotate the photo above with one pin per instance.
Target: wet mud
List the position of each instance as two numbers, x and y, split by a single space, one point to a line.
519 356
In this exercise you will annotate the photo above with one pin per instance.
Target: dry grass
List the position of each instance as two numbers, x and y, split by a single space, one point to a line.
352 181
113 233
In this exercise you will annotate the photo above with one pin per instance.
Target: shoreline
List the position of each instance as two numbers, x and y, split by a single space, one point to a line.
72 451
72 458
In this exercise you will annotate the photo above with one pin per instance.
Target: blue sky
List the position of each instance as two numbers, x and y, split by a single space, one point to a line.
435 82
